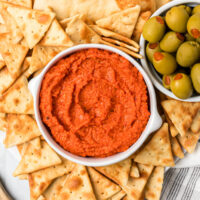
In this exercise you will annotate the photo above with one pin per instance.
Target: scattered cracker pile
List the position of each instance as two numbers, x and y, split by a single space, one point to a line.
29 39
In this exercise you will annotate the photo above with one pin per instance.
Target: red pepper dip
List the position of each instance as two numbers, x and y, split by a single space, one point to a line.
95 103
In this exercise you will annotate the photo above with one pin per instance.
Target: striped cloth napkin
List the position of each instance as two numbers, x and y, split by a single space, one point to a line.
183 182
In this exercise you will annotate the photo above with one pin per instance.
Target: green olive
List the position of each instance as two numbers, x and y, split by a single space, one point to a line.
151 49
195 75
198 40
164 63
196 10
171 41
187 8
188 37
166 80
193 25
188 53
177 18
154 29
181 86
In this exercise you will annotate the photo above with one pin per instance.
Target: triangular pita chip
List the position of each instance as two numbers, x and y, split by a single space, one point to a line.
36 159
118 172
77 186
160 3
54 189
118 196
144 16
181 113
135 186
122 22
7 80
3 28
145 4
25 3
56 36
11 25
2 62
41 198
40 180
134 173
103 187
189 141
3 122
176 148
41 56
21 129
13 54
195 127
17 99
157 151
80 32
32 23
154 185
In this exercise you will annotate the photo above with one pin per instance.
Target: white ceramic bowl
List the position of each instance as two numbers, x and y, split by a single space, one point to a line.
156 79
154 122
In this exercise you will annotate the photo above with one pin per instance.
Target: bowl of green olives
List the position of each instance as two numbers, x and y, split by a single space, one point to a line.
170 46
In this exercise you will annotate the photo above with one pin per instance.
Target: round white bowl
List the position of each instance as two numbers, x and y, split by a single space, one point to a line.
156 79
154 122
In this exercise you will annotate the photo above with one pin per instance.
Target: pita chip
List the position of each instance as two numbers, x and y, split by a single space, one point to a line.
13 54
118 196
154 185
17 99
40 180
35 159
134 173
21 129
56 36
195 127
77 186
41 198
11 25
2 62
33 23
25 3
118 172
122 22
45 54
144 16
3 122
181 114
3 28
157 151
176 148
103 187
189 141
135 186
80 32
160 3
54 189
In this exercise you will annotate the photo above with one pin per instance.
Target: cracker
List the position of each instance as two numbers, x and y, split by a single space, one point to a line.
25 3
3 122
40 180
2 62
3 28
77 186
80 32
134 173
135 186
118 172
154 185
144 16
33 23
189 141
118 196
17 99
35 159
103 187
21 129
181 114
56 36
176 148
13 54
157 151
195 127
122 22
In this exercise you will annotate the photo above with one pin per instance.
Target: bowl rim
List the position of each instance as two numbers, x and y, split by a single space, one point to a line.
146 63
153 124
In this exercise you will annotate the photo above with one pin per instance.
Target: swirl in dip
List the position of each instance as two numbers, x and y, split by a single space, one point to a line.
95 103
